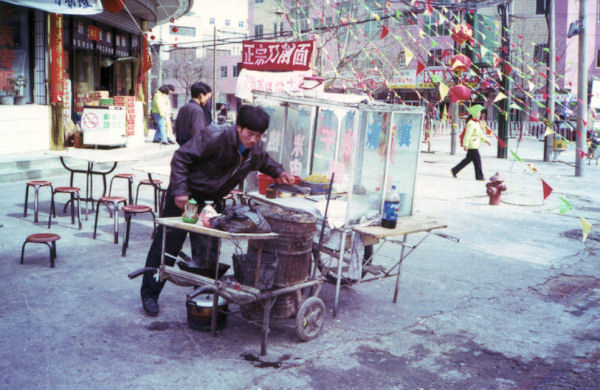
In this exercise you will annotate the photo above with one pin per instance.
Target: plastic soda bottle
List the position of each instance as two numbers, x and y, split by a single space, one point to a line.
208 211
391 205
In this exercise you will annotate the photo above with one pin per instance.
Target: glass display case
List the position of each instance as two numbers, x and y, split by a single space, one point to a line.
370 146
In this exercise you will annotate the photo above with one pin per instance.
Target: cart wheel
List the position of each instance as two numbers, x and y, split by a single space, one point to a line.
310 318
328 265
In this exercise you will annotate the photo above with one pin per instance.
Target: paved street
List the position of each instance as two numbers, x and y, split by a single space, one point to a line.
514 305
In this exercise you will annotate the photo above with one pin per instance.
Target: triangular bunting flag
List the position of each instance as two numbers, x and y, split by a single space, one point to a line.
586 228
515 156
549 131
384 31
582 154
434 44
420 67
499 97
408 56
547 189
564 205
443 92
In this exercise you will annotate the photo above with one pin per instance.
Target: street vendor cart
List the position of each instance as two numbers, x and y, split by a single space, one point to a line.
366 147
311 311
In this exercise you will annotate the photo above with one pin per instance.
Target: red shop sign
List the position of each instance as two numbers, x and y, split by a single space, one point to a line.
93 33
277 55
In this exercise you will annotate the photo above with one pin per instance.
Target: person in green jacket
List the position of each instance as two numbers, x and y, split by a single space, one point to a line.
161 109
471 142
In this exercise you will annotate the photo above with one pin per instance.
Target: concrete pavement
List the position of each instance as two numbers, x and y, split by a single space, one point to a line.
514 304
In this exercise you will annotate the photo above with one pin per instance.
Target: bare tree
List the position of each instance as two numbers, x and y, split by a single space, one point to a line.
185 68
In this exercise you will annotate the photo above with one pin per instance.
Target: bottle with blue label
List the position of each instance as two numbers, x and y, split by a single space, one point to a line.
391 206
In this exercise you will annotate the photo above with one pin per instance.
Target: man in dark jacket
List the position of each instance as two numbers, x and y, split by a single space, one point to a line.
208 167
192 117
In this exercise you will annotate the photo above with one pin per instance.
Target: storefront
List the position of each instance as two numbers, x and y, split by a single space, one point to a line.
58 57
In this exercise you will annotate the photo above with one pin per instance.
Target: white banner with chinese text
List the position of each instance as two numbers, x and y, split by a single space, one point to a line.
271 82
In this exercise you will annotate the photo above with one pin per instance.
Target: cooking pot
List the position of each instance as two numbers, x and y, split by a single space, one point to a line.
199 305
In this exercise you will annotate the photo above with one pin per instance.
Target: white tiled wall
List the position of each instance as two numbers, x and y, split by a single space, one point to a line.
24 128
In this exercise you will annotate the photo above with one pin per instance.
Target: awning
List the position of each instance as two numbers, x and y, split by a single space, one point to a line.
88 7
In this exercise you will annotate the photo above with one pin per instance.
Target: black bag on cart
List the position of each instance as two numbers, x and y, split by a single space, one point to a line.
240 219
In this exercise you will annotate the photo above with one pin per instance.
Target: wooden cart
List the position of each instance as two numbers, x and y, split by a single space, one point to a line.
311 312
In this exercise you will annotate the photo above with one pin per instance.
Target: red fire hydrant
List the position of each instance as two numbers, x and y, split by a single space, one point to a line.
494 188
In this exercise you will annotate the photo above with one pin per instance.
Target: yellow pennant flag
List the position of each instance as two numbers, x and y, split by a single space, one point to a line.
548 131
586 227
457 63
499 97
531 86
445 113
443 91
531 70
408 56
422 33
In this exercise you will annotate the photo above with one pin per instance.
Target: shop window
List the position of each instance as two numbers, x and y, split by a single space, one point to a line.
598 59
241 24
211 20
15 74
223 71
227 22
234 71
407 18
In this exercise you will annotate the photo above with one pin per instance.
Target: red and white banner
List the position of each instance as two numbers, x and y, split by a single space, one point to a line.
277 55
271 82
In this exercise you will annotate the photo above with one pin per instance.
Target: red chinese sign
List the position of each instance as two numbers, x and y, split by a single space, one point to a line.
277 55
56 58
93 33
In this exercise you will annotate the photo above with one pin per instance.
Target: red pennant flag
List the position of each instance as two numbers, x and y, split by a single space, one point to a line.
384 31
582 154
520 36
584 122
547 189
544 95
420 67
445 53
500 142
507 68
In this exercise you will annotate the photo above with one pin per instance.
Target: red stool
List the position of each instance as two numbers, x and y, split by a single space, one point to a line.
157 190
113 201
36 184
130 211
74 192
129 177
43 238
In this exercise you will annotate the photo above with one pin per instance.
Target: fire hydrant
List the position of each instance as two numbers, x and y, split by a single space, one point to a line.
494 188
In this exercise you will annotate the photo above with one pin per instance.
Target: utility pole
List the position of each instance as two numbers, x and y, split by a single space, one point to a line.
214 95
505 86
454 106
551 18
582 90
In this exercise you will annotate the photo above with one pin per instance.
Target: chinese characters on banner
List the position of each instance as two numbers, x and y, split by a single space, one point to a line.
67 7
56 58
277 55
272 82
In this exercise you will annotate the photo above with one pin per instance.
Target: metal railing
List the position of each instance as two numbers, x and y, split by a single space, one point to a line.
516 129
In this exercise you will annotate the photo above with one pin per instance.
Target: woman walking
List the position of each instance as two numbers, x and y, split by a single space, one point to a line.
471 142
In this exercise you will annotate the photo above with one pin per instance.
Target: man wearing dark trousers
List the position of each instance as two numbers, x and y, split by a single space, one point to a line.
208 167
191 117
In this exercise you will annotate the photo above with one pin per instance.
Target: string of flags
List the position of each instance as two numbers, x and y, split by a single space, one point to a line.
400 26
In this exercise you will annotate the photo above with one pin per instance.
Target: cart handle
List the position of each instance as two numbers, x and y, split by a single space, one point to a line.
446 236
140 271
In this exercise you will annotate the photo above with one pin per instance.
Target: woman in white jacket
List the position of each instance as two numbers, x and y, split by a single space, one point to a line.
472 139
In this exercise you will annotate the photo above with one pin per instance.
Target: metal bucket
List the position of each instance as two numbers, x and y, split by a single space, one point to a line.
199 311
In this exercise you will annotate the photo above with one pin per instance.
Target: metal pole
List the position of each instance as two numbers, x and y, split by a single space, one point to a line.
551 17
582 90
503 119
214 96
